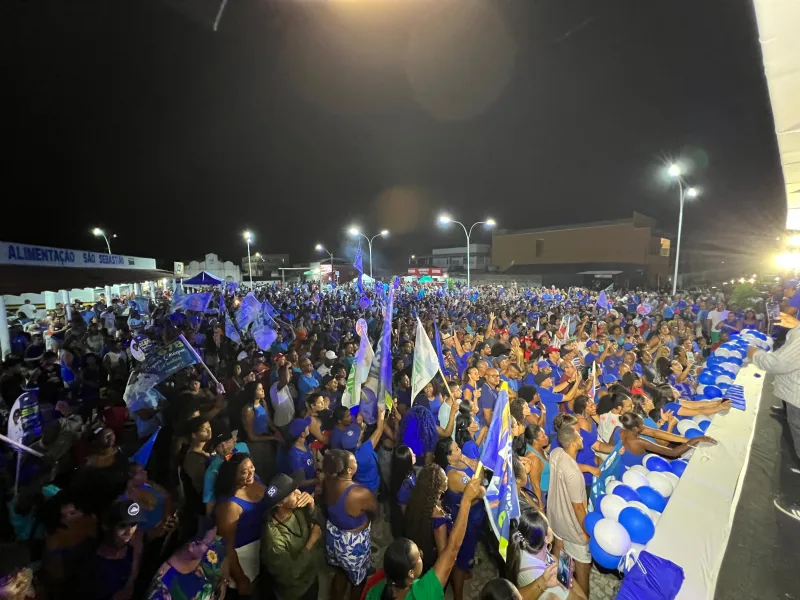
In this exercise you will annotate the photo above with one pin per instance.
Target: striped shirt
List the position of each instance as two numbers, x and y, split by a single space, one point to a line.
784 363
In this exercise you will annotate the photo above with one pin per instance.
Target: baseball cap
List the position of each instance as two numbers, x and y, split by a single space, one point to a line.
551 349
790 283
608 378
542 364
499 359
542 377
326 380
220 433
349 439
330 355
278 489
277 357
590 343
123 512
628 346
298 426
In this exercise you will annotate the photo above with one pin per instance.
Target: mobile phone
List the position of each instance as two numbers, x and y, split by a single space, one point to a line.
564 572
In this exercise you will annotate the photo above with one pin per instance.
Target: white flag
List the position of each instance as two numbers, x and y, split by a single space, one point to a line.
360 369
426 363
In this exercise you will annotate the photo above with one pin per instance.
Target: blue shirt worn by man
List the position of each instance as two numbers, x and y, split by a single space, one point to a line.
367 472
551 400
306 384
487 400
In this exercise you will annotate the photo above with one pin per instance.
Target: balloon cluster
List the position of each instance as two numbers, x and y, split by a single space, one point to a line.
721 367
625 517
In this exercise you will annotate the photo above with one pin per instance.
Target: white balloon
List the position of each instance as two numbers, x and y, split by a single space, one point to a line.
647 457
634 479
724 380
655 516
660 484
700 418
700 389
640 469
611 506
770 342
612 537
732 367
723 352
674 479
611 485
685 425
642 507
737 354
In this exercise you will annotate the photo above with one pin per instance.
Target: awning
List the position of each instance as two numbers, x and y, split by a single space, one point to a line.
16 279
780 47
600 273
203 278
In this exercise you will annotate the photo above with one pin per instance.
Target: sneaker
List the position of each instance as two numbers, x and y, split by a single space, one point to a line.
790 510
778 410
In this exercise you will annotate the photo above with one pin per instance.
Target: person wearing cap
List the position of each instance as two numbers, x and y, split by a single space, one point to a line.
327 364
224 445
292 552
300 462
552 399
112 571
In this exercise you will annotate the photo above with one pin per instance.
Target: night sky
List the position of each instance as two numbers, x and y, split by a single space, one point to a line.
300 118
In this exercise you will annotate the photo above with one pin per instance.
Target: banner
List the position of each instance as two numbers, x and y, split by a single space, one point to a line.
263 331
376 393
501 501
611 467
248 311
164 360
196 302
24 420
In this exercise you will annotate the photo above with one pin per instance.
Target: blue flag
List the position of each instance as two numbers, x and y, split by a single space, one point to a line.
177 296
263 331
611 467
141 304
603 302
269 309
160 362
438 342
248 311
358 264
230 329
142 455
196 302
502 503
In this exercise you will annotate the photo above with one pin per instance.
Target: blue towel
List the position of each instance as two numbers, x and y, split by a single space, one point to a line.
651 578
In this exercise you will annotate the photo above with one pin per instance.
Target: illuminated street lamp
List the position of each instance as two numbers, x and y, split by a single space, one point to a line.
355 232
321 248
100 233
447 219
675 171
248 237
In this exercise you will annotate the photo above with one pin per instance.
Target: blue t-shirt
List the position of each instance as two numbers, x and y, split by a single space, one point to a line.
213 470
551 401
347 437
487 400
305 385
302 460
404 493
367 473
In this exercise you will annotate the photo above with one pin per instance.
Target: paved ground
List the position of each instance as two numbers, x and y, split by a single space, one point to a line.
602 587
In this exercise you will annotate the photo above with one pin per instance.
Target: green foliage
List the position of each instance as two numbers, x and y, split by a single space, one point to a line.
744 294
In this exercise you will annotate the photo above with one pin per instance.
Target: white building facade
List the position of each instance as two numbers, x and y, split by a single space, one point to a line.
212 264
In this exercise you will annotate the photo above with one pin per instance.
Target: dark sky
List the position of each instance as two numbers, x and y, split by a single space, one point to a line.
299 118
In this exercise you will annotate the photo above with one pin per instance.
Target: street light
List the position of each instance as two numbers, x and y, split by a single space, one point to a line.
321 248
248 237
674 170
100 233
354 231
447 219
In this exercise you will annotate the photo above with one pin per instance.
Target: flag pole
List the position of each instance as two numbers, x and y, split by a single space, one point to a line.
19 446
199 359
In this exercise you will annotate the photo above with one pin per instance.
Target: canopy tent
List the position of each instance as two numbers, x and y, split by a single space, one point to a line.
203 278
364 279
426 279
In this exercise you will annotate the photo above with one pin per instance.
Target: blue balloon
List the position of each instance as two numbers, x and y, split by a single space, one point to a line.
730 374
678 466
658 464
707 378
693 433
638 525
735 360
712 392
603 558
704 425
626 492
591 520
652 498
714 360
759 335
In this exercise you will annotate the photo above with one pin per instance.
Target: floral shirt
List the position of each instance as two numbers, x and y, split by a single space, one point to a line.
204 583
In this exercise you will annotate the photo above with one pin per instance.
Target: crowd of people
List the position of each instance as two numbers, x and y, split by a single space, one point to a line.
258 479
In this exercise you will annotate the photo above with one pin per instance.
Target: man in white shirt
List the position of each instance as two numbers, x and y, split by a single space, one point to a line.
716 316
280 396
326 366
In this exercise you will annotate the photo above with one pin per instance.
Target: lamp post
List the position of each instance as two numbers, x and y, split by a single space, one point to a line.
355 232
321 248
675 171
248 237
100 233
446 219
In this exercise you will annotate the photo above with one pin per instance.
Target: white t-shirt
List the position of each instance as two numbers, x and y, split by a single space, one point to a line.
715 316
282 404
530 569
608 423
444 418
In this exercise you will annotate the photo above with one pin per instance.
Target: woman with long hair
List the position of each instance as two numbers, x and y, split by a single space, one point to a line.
403 479
427 521
402 576
636 447
460 470
258 436
347 531
469 385
467 425
301 465
539 474
239 510
431 399
529 556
